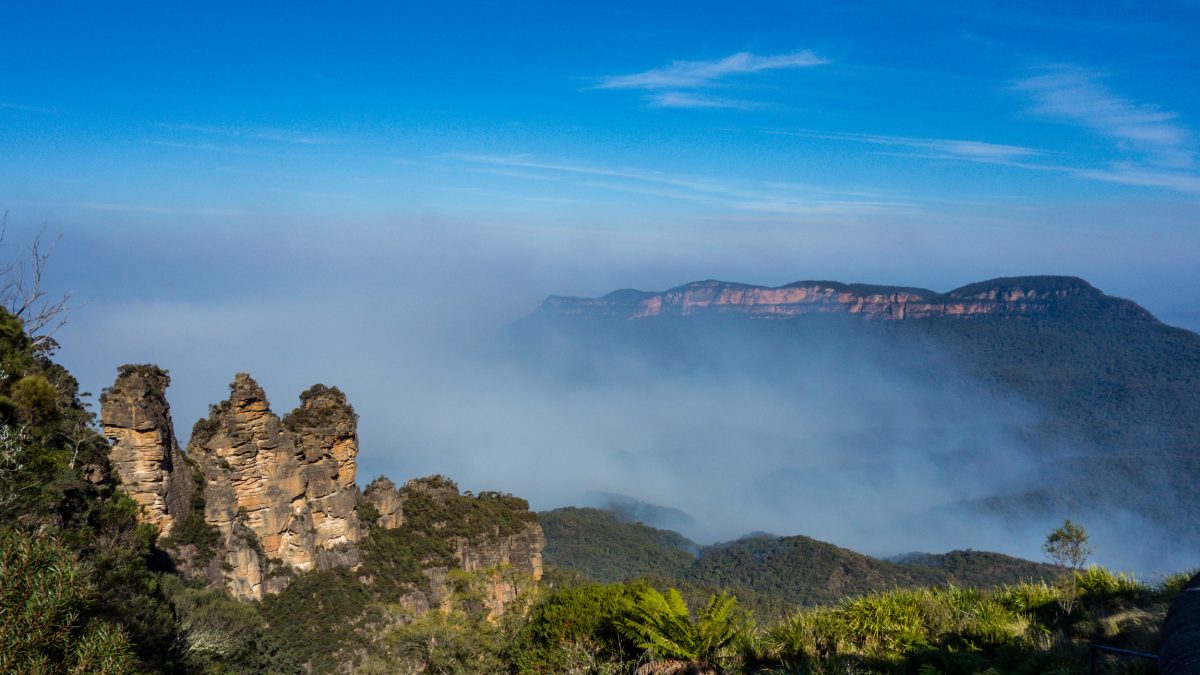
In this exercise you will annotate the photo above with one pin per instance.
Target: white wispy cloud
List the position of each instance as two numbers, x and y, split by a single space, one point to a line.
211 147
943 148
779 198
262 134
1015 156
678 85
693 74
1127 174
681 99
1075 95
163 210
23 107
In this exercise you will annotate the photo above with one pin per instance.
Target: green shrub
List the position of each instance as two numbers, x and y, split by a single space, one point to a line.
1098 585
1169 588
573 625
35 398
46 602
215 628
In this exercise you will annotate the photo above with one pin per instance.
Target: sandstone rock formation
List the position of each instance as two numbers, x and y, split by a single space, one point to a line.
279 498
388 502
1009 296
325 429
279 495
145 455
510 561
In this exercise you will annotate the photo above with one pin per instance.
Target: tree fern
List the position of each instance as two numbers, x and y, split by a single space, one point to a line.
662 625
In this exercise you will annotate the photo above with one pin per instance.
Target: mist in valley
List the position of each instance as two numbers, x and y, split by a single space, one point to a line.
833 433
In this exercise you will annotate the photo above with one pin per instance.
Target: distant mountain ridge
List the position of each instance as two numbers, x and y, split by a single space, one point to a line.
1110 395
798 570
1031 295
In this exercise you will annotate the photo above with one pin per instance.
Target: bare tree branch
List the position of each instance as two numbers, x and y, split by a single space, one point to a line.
22 293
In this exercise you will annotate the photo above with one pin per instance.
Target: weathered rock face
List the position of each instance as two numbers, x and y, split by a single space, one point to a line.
145 454
508 561
1006 297
325 429
281 494
388 502
278 497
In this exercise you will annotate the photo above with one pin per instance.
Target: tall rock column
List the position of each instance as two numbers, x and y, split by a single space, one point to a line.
254 492
281 493
325 430
145 455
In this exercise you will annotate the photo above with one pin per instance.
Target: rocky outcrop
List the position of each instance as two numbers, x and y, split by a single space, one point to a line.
1180 652
145 455
509 562
1005 297
505 558
388 502
279 496
325 430
281 499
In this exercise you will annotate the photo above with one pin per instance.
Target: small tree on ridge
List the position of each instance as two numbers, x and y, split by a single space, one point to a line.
1068 547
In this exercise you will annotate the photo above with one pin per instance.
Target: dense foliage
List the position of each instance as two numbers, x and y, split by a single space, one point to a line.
307 416
45 598
70 539
605 549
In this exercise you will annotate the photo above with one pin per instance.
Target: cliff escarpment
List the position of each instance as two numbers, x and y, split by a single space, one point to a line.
1012 296
492 538
265 498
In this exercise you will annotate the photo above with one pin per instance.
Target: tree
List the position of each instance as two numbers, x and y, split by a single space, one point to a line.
22 293
1067 546
663 626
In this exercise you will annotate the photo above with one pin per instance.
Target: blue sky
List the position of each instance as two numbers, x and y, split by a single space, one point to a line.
251 186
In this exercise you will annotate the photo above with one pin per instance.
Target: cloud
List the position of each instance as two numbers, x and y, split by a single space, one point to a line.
262 134
1075 95
27 108
1127 174
679 99
676 85
1021 157
162 210
211 147
693 74
944 148
774 197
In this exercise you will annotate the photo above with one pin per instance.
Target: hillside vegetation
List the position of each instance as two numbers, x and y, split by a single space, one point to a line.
602 548
795 570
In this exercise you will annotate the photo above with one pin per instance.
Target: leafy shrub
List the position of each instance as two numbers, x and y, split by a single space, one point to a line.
308 415
192 529
662 625
452 644
48 608
1100 586
34 397
214 627
573 625
1171 586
